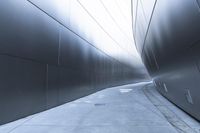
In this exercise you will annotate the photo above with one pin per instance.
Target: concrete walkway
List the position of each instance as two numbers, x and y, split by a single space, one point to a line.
124 109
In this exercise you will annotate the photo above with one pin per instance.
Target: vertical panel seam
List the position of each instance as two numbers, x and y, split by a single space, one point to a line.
59 45
147 31
109 56
47 84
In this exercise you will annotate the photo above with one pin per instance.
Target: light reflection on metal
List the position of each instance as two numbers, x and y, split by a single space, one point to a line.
53 52
171 43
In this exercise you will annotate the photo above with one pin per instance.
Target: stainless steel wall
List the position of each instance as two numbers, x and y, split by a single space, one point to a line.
167 36
47 59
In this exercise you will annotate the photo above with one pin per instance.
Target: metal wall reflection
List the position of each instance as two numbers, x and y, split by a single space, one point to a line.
53 52
169 45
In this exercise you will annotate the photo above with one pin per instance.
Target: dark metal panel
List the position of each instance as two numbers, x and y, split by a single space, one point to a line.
174 28
72 85
178 82
22 90
52 86
43 64
74 52
171 52
27 32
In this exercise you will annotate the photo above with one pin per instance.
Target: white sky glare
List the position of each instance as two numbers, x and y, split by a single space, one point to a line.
114 18
106 24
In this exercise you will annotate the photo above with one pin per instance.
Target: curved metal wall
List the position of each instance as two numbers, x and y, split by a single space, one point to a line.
170 49
47 59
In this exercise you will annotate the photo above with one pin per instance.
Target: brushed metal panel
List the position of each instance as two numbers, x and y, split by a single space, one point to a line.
141 27
22 90
43 64
148 6
173 30
72 85
57 9
74 52
52 86
134 13
172 52
27 32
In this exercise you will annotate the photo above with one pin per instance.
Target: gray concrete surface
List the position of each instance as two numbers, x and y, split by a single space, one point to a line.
122 109
181 121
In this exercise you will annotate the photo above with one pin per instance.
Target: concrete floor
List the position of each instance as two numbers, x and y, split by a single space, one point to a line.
135 108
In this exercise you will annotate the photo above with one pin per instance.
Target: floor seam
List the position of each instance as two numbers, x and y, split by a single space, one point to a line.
19 125
170 116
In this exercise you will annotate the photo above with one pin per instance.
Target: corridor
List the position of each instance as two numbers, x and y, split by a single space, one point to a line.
134 108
